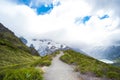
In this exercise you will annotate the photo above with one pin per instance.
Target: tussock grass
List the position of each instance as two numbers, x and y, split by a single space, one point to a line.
85 64
21 74
16 61
25 70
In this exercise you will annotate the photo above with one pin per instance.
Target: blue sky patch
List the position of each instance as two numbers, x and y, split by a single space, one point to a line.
44 10
104 17
26 2
83 20
41 9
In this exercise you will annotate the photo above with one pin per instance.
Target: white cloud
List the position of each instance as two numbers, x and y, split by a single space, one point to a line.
60 25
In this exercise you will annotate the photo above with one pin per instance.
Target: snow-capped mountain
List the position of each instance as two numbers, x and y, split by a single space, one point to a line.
46 46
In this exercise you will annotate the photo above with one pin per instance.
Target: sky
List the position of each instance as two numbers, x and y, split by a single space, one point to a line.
77 23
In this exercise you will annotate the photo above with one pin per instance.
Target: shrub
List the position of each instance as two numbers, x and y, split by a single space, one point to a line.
66 58
113 75
45 63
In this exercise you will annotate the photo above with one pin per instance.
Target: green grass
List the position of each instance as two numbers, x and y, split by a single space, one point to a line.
26 70
45 60
21 74
11 57
85 64
12 50
16 59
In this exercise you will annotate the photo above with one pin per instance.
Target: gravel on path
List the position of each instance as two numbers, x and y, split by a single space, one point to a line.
60 70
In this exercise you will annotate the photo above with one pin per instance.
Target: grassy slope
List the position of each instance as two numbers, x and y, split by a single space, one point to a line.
16 58
85 64
12 50
16 61
27 71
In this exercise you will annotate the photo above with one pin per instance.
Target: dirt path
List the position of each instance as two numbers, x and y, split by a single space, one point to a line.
60 70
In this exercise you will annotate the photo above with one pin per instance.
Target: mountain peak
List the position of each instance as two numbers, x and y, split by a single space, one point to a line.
46 46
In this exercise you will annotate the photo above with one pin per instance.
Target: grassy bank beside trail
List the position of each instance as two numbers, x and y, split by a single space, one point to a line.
21 74
23 71
18 61
45 60
85 64
26 70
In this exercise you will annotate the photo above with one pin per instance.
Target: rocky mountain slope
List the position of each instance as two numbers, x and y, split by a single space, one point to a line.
110 52
46 46
107 54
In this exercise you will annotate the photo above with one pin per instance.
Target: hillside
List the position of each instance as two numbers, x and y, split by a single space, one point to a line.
12 50
87 65
16 59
